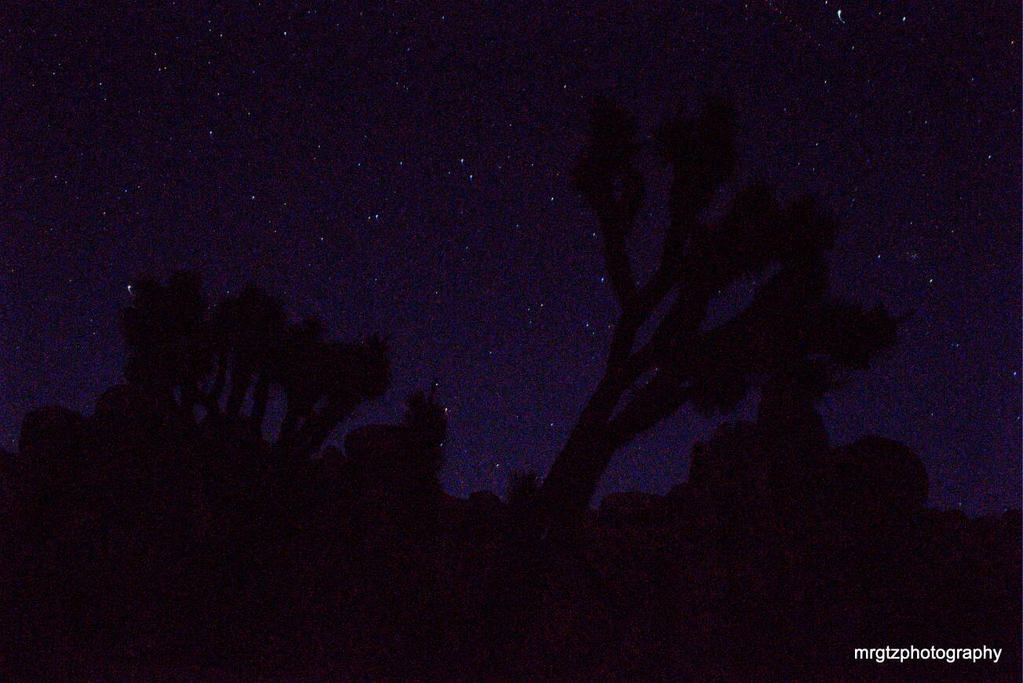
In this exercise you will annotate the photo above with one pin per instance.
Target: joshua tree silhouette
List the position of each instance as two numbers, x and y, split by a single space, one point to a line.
177 527
223 359
790 321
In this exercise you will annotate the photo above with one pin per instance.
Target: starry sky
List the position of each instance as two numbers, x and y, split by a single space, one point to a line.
403 167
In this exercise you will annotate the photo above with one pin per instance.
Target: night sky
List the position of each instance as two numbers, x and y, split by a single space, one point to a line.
404 169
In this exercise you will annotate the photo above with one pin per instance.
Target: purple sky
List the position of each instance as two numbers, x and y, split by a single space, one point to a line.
404 169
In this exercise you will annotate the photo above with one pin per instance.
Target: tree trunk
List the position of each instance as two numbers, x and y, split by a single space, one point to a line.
576 472
260 399
289 427
241 377
218 384
575 475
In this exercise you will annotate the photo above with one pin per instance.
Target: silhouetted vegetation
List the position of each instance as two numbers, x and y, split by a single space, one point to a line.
682 360
201 521
223 362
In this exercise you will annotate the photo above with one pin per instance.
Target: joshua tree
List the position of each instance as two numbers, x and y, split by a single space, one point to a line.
664 353
249 327
189 354
165 329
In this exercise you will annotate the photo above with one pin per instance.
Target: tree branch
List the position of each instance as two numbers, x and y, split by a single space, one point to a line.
658 400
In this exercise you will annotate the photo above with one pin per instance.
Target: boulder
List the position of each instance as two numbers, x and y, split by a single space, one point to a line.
53 432
632 508
879 477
